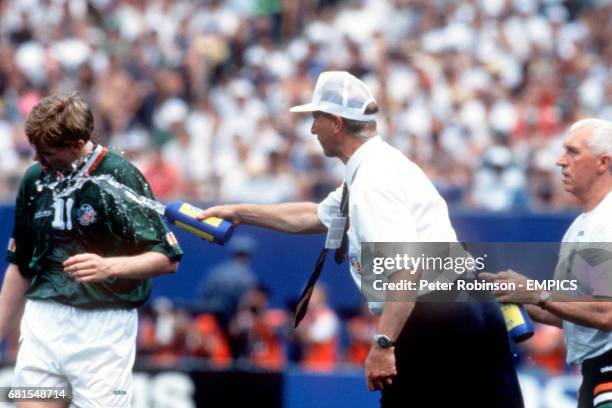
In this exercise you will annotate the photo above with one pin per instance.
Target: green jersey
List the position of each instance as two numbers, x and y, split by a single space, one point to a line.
88 212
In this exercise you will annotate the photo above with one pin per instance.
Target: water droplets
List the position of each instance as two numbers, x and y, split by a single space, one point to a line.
145 202
66 186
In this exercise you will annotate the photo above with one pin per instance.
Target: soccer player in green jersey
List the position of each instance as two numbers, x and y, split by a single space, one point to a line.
80 258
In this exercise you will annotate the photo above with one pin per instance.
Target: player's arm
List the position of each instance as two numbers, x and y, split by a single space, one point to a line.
92 268
12 297
16 277
293 218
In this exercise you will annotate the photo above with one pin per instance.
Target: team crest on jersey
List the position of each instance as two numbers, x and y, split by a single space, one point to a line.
86 215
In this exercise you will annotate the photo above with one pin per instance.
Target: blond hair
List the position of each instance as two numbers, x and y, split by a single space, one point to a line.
59 121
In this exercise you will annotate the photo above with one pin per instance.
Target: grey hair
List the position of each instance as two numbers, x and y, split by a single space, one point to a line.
355 127
600 142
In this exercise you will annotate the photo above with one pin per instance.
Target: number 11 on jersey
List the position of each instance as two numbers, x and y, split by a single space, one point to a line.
61 217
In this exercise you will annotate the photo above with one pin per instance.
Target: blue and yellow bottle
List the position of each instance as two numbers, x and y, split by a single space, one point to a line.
518 322
212 229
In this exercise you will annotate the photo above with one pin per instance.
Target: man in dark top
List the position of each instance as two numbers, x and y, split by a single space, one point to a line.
80 258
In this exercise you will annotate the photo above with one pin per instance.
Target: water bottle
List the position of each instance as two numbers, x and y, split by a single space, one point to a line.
185 215
517 320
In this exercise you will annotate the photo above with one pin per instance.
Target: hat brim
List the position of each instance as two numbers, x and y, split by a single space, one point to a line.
309 107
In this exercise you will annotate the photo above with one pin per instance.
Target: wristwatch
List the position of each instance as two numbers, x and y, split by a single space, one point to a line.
543 297
383 341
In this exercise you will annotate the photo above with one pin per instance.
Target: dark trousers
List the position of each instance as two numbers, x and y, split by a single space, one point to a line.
454 354
596 381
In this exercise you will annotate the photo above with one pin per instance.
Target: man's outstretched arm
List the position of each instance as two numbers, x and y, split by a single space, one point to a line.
293 218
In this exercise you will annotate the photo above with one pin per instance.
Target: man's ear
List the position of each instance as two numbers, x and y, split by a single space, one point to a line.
338 123
605 163
78 145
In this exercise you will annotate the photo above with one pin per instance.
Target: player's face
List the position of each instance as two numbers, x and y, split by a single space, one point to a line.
579 165
323 126
56 158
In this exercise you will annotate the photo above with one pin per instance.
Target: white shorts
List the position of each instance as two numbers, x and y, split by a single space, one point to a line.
90 351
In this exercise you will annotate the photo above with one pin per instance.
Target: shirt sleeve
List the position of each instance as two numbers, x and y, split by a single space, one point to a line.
19 249
330 207
597 259
594 259
144 228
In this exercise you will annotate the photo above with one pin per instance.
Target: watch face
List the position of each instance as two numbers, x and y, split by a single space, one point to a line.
384 341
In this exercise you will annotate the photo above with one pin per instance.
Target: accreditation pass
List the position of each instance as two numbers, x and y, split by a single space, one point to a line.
335 233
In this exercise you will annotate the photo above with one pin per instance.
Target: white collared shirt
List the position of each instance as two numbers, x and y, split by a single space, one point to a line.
391 200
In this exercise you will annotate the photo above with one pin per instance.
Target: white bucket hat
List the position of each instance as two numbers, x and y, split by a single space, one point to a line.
339 93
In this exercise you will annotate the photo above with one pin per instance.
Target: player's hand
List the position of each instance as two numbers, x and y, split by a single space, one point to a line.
380 367
85 268
228 212
520 295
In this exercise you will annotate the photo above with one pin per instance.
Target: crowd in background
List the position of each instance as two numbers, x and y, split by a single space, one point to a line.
260 337
196 93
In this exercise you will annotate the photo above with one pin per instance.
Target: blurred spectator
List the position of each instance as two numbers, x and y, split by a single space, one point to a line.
206 339
164 178
361 330
498 184
225 284
171 327
256 331
543 190
319 333
147 339
546 350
